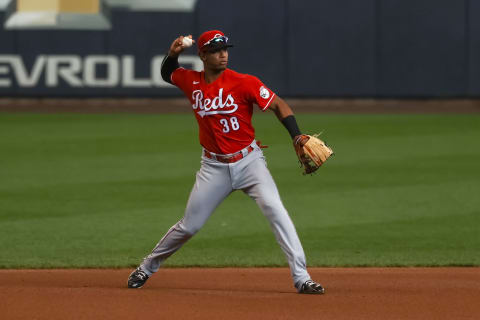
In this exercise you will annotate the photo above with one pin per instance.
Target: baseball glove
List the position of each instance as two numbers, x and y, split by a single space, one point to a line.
311 151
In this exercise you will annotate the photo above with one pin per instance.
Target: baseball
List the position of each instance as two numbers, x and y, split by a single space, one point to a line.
187 42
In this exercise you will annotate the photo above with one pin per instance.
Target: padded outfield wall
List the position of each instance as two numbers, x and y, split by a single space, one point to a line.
322 48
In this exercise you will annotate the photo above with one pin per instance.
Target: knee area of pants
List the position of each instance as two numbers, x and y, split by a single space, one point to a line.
271 209
189 231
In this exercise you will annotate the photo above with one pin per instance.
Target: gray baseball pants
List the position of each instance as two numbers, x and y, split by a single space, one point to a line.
214 182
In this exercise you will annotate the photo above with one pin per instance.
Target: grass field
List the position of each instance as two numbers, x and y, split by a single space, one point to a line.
101 190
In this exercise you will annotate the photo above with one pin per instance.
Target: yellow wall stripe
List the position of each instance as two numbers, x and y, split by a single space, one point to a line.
77 6
63 6
37 5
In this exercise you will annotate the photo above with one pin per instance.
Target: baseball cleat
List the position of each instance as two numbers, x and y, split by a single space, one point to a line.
311 287
137 279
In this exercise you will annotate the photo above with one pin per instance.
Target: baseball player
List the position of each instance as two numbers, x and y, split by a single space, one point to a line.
222 101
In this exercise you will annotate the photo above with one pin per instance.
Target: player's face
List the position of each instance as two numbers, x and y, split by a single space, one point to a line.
215 60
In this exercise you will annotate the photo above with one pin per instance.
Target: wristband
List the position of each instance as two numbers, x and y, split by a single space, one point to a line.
291 124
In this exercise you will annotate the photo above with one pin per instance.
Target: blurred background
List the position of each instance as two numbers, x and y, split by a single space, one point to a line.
392 84
327 48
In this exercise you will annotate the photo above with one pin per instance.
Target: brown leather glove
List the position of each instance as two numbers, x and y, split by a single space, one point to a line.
311 151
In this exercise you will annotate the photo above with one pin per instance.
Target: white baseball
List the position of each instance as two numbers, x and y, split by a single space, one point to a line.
187 42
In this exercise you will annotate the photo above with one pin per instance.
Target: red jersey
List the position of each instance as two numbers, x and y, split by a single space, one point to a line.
223 108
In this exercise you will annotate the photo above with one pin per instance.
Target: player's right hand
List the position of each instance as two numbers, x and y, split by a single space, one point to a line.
177 46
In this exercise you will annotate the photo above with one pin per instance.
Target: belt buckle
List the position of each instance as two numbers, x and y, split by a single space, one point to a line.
226 158
230 158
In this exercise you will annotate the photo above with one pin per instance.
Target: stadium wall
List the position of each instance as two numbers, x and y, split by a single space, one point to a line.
323 48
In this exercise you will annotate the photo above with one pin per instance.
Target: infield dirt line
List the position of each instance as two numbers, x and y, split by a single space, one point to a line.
241 293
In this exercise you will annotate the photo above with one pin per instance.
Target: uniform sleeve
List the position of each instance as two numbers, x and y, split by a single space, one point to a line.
179 78
259 93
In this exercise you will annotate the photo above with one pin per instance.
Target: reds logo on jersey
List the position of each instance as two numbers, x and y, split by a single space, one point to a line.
213 106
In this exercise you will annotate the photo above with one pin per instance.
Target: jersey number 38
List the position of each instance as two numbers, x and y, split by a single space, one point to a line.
234 125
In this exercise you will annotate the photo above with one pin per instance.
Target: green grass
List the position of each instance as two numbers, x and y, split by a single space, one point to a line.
101 190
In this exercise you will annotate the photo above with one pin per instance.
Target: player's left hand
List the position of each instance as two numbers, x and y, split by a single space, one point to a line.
311 151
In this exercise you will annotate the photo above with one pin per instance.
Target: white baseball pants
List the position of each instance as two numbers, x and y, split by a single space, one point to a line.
214 182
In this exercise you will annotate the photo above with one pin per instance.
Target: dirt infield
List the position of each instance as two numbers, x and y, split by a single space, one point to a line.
227 293
180 105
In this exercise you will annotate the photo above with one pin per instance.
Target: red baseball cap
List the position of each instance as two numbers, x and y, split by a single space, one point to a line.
212 40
